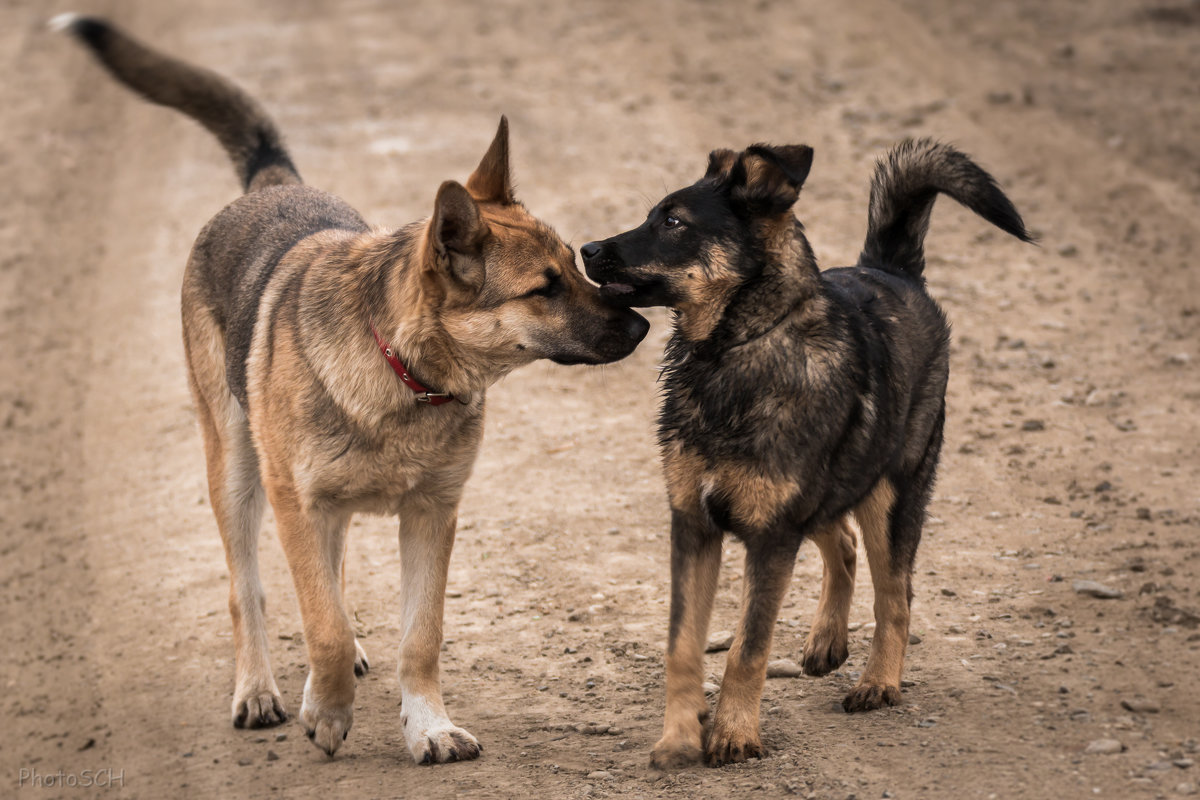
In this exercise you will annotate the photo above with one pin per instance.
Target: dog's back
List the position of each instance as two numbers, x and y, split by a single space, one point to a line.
236 254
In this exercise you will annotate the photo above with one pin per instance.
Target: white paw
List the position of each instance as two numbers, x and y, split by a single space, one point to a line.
326 724
258 706
432 738
443 744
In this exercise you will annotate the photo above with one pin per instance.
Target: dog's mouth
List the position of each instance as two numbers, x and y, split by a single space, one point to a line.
613 291
639 294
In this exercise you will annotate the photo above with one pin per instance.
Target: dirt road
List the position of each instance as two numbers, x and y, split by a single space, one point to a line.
1073 443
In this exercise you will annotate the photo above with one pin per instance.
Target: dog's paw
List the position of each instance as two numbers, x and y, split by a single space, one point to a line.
732 744
325 723
361 665
674 754
870 696
442 745
824 652
258 708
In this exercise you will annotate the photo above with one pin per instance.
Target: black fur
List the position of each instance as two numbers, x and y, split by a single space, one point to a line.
745 391
790 395
236 119
905 185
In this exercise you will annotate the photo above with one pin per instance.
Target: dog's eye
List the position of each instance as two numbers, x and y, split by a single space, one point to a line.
551 288
671 222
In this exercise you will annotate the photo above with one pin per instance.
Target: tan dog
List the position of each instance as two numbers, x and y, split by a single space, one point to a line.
310 342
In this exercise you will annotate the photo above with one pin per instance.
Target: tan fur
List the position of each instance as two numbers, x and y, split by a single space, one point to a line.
705 291
285 298
682 739
754 495
734 736
460 323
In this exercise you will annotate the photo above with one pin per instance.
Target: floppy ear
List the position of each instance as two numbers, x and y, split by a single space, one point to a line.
766 180
720 164
456 234
491 182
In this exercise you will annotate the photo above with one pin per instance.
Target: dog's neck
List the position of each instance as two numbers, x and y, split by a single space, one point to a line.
408 305
788 279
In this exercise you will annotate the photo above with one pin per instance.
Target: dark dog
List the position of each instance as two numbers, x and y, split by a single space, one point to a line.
794 399
311 340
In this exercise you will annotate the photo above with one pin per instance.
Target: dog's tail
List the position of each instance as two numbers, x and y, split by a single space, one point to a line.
236 119
906 183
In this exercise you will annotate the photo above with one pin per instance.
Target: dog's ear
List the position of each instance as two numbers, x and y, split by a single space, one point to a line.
457 233
491 182
766 181
720 164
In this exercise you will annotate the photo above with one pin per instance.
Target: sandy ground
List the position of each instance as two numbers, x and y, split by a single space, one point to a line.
1073 443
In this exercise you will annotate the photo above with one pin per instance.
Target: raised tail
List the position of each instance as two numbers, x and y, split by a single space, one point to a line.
906 183
236 119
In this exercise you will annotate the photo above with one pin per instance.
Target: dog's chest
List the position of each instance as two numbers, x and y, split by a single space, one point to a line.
736 494
430 454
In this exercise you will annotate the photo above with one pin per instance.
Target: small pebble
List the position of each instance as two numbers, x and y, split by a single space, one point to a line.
711 688
1105 747
721 640
272 755
914 639
783 668
1094 589
1185 788
1140 706
599 775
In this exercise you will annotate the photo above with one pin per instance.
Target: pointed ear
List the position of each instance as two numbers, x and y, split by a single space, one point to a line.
720 164
491 182
457 233
766 180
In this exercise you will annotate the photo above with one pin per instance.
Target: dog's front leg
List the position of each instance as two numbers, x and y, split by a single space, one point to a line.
426 539
734 736
313 542
695 563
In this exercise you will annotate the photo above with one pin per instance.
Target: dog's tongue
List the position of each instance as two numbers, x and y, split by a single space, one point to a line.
616 288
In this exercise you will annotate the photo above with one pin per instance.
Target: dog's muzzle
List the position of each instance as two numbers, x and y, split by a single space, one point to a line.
604 270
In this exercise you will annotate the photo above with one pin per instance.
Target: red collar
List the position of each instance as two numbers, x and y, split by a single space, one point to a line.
423 394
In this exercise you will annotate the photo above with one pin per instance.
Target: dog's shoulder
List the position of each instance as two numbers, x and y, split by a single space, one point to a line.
237 252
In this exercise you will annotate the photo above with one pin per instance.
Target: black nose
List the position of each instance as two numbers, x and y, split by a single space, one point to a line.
590 250
637 327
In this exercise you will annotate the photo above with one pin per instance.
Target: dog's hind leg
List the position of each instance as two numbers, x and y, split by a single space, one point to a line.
827 645
734 736
879 684
695 564
426 539
891 520
236 494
